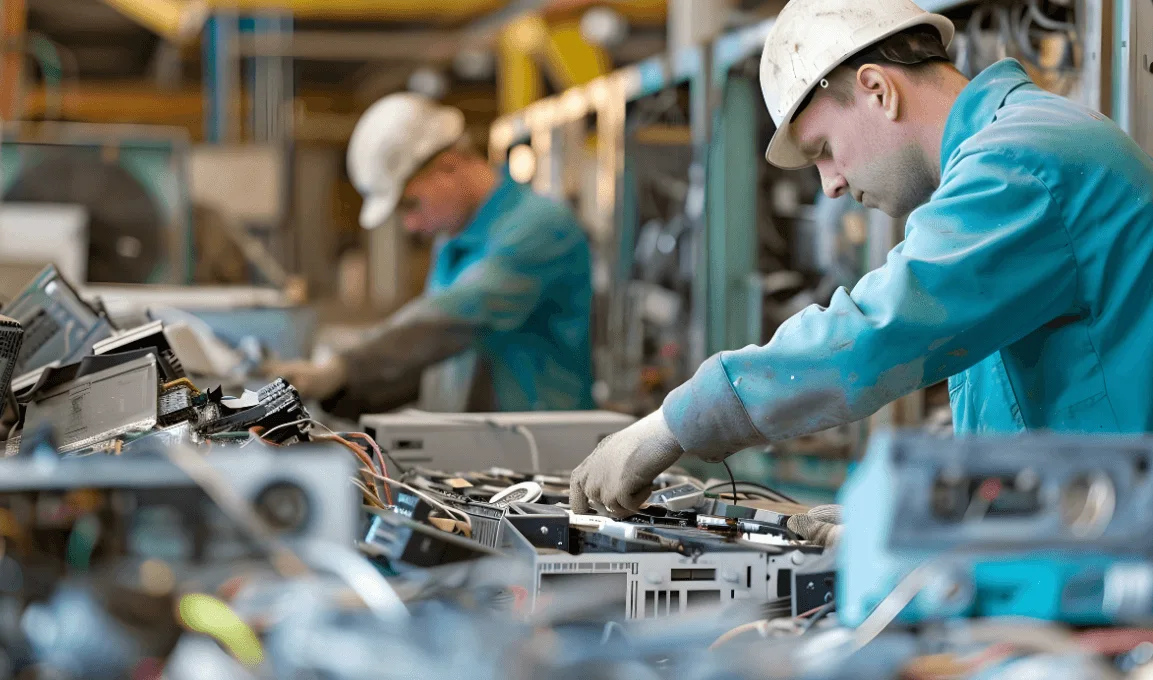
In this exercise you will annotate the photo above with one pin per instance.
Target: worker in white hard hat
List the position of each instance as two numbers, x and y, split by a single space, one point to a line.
503 324
1023 278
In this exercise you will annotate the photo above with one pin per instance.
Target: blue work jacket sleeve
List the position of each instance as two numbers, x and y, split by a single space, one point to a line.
984 263
497 292
502 289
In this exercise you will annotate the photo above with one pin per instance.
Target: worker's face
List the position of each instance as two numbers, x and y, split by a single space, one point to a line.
433 201
864 146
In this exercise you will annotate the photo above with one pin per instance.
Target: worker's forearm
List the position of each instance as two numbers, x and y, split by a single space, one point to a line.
822 369
413 339
706 416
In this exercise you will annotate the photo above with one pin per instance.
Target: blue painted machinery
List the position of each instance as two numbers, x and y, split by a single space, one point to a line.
1049 527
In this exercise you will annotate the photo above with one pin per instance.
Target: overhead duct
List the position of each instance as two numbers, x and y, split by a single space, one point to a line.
180 20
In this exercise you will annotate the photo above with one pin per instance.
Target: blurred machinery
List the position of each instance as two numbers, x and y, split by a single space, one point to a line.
540 442
486 573
60 327
702 247
1046 527
131 182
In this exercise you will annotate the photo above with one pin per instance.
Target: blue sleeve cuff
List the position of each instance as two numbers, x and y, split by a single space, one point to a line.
706 416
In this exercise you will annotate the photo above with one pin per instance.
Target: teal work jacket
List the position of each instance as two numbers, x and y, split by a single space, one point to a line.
1026 280
504 322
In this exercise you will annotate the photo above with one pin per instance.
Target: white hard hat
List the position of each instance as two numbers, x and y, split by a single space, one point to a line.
393 138
810 39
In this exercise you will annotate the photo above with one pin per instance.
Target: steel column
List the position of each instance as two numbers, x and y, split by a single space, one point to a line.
734 166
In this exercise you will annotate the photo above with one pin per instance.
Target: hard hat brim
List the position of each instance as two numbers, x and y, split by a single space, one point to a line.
783 150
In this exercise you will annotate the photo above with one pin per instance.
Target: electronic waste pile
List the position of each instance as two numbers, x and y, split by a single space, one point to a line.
152 527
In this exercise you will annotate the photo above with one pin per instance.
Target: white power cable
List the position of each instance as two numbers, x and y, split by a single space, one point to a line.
892 606
290 424
533 451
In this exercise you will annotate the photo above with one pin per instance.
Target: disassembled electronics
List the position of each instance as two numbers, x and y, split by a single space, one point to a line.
543 441
1046 527
276 409
96 400
143 337
657 562
405 543
58 326
681 497
107 401
148 507
525 492
11 338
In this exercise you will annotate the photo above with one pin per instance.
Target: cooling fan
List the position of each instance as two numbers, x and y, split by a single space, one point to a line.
133 189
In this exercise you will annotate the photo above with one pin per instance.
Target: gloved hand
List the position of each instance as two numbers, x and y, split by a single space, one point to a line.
311 380
820 525
618 476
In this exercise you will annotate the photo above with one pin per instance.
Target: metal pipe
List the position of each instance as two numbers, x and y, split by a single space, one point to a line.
437 11
356 46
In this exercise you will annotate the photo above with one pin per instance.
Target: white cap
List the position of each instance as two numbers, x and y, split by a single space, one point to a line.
810 39
393 138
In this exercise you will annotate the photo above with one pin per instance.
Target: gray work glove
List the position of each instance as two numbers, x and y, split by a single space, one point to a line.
311 380
618 476
820 525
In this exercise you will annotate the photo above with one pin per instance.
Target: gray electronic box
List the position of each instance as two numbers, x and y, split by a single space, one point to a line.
545 441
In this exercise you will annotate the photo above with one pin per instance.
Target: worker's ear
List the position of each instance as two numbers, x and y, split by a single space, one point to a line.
880 89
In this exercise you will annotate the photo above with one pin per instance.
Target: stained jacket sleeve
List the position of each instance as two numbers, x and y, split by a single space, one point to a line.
497 292
984 263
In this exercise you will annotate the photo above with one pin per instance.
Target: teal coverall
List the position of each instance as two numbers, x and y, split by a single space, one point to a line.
503 324
1026 280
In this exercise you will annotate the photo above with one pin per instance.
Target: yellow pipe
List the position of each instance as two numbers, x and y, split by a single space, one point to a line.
176 20
571 59
180 20
519 80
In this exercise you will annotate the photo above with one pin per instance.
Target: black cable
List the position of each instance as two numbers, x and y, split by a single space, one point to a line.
399 468
820 614
733 480
770 492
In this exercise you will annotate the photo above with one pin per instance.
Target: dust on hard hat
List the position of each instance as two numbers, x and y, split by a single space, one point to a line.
810 39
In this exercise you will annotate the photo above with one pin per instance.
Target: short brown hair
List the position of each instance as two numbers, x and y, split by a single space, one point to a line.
912 49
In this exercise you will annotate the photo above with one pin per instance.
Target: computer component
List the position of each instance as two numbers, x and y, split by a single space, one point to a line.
525 492
543 529
680 497
11 337
58 325
536 441
486 518
1042 526
276 409
737 527
814 582
150 335
95 400
619 538
400 543
145 506
656 515
658 584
